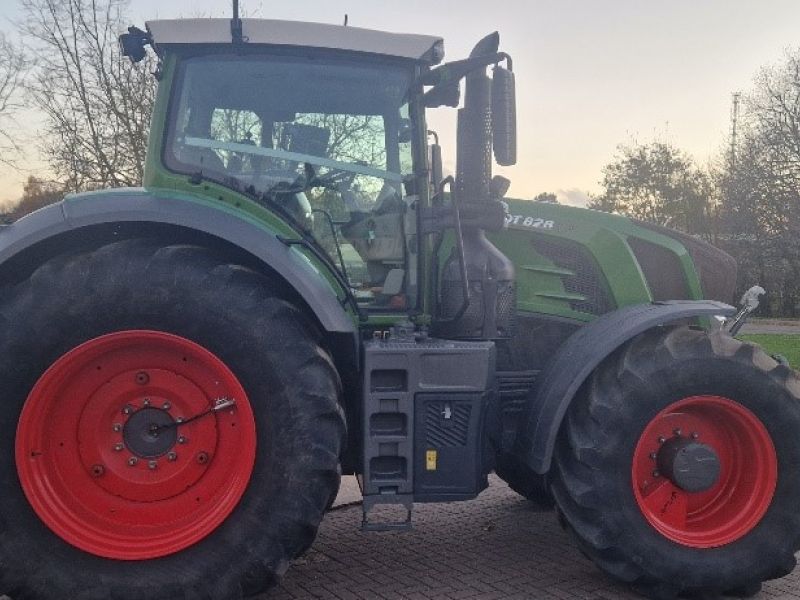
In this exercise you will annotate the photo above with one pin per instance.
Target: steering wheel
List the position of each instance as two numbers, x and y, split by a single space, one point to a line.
335 179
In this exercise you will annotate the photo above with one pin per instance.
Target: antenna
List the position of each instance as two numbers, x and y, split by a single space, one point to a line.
346 18
236 25
734 125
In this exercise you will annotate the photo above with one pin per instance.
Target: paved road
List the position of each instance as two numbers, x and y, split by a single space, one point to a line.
771 326
493 548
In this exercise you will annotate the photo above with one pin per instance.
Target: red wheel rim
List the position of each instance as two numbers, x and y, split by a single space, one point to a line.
748 472
98 473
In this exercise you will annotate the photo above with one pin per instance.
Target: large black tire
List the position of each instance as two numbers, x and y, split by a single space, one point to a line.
271 348
524 481
593 479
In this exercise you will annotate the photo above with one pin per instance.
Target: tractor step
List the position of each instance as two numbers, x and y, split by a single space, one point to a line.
370 502
423 412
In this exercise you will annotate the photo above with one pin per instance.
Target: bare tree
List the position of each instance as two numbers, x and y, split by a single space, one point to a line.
773 123
96 103
760 191
12 68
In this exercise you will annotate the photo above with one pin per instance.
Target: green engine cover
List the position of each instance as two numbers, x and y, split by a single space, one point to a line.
578 263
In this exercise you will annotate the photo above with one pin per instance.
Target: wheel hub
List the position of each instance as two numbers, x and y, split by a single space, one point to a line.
692 466
150 433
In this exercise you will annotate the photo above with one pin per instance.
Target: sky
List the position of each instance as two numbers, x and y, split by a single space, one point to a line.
591 74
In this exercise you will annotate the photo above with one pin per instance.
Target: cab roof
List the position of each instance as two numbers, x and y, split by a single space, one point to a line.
424 48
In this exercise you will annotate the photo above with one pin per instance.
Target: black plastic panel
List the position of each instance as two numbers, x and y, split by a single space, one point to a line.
716 269
447 449
662 270
587 279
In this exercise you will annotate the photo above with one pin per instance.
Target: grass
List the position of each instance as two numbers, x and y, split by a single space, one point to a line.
778 343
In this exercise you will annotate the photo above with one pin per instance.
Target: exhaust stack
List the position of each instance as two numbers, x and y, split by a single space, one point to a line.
490 274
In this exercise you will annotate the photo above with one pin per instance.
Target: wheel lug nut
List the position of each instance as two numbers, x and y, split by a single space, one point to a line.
152 465
98 470
119 447
662 439
202 457
132 461
172 457
146 402
656 474
127 410
179 419
166 406
677 431
117 427
653 456
695 435
182 440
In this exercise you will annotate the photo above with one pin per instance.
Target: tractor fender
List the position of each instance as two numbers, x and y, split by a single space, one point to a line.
139 206
579 355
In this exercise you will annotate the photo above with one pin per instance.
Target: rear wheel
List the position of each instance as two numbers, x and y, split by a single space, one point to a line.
676 466
122 480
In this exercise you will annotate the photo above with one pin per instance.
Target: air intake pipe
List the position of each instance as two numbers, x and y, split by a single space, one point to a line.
490 274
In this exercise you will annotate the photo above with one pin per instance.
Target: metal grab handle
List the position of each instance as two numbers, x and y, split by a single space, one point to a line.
450 181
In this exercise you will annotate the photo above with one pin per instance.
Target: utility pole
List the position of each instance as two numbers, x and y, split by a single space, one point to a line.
734 124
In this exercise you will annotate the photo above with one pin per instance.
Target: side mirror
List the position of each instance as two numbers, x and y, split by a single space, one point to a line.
748 303
750 299
504 116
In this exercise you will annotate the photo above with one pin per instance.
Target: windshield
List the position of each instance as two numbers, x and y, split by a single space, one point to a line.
328 143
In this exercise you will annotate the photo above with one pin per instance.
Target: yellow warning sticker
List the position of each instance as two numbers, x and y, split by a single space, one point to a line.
430 460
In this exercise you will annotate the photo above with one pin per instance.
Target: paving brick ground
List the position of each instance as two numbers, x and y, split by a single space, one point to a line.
493 548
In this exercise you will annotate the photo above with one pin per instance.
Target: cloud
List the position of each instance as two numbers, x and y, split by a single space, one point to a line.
573 197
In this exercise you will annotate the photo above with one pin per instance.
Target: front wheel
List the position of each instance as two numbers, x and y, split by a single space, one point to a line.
676 468
177 428
524 481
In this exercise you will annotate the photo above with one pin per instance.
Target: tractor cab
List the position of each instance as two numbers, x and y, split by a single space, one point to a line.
323 126
320 124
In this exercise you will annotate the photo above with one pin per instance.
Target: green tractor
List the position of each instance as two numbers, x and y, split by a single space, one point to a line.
297 292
